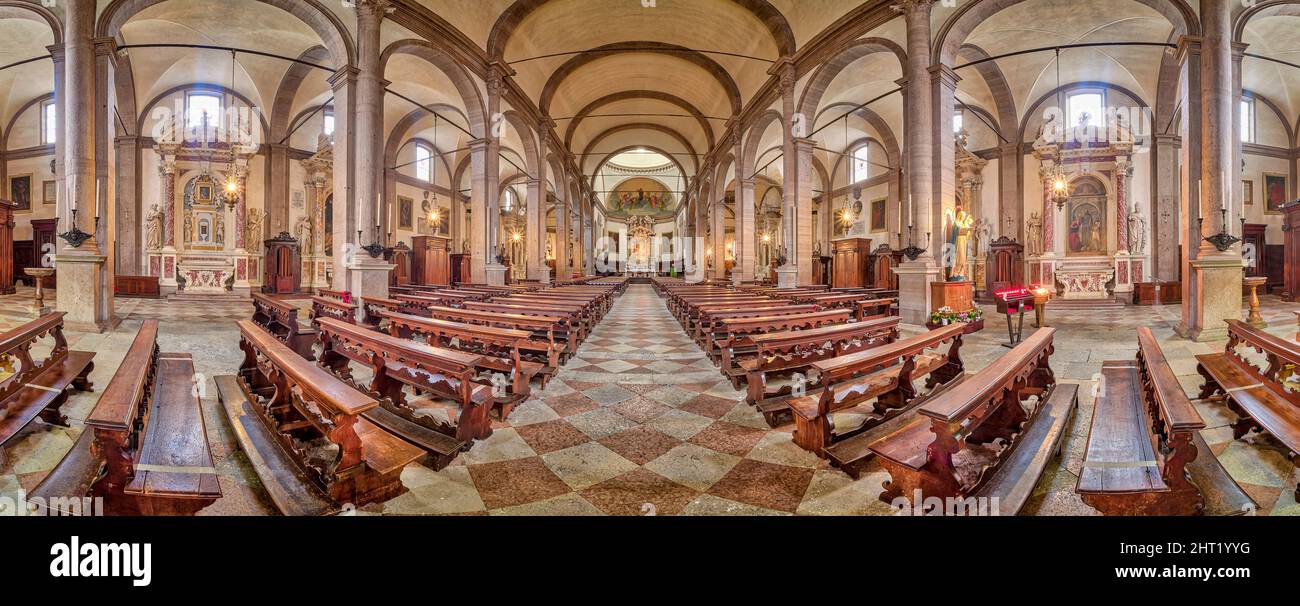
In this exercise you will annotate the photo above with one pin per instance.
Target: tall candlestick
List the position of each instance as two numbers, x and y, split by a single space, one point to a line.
1223 180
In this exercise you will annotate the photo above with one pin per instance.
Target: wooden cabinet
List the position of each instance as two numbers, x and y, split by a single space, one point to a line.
430 261
1291 254
283 265
136 286
1005 266
7 269
822 270
400 257
460 271
28 253
883 261
851 261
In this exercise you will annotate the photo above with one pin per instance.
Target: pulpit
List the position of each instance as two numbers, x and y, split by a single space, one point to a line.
6 247
1291 253
1004 268
851 262
883 262
430 261
283 265
400 257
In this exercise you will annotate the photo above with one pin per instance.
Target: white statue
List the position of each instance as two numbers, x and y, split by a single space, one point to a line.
1137 233
1034 234
221 230
302 231
153 223
189 226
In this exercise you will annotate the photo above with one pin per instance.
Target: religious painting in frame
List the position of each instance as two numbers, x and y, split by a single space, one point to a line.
20 192
1086 218
1248 191
1274 193
878 215
405 209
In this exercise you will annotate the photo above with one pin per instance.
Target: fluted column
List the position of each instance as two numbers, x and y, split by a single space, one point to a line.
478 236
802 246
536 235
744 241
495 272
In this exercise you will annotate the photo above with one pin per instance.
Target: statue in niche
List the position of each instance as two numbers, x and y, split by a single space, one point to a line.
980 234
153 224
189 226
960 238
1137 232
221 232
253 231
1034 234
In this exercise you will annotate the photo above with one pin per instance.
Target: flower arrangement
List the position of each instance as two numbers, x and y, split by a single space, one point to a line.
945 315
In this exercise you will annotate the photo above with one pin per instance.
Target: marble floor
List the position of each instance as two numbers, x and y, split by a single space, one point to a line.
640 422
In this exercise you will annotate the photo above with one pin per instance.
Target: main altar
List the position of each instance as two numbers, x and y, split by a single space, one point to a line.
1086 173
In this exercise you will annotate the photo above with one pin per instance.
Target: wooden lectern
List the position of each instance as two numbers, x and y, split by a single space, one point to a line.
851 262
430 261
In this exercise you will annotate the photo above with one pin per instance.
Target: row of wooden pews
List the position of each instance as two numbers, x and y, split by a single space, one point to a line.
144 450
416 374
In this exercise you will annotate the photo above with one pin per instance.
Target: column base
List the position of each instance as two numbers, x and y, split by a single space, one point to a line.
1218 280
367 277
79 295
914 299
787 277
496 274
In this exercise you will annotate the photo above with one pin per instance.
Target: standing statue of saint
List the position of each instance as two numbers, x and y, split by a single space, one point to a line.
153 223
189 226
959 237
221 230
253 231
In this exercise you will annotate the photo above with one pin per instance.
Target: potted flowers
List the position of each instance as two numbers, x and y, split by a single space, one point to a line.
973 318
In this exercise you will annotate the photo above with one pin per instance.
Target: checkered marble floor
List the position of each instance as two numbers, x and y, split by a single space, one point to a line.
640 422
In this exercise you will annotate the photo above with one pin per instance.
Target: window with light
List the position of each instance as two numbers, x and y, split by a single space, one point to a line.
861 167
328 123
423 163
49 123
1248 120
198 105
1090 103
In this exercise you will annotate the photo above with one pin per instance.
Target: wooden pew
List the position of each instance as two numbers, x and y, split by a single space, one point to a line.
884 374
578 315
708 321
502 350
337 295
575 324
789 352
324 307
866 309
39 388
544 328
732 340
144 450
1256 394
281 319
977 439
372 306
1145 455
281 403
395 362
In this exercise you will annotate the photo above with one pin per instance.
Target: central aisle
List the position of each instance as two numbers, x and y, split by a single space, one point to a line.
639 422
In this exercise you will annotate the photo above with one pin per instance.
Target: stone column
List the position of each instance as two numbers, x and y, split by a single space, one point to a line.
788 275
276 209
344 234
1215 276
562 224
246 275
131 247
1011 206
914 276
478 241
365 275
1126 265
745 216
1165 212
81 270
803 222
495 273
719 231
537 269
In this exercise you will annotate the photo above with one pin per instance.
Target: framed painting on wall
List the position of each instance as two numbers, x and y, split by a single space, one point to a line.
49 192
20 191
1274 193
1248 191
878 215
404 211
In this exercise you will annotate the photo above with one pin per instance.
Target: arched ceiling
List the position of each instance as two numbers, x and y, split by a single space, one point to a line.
1278 37
23 39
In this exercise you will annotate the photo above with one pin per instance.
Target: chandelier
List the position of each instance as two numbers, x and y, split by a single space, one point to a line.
1059 186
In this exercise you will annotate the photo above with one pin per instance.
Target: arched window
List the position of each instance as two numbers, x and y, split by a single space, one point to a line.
49 123
423 163
327 122
1092 103
1248 120
508 201
200 104
861 166
957 121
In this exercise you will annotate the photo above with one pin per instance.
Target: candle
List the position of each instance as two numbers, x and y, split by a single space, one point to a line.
1223 202
96 192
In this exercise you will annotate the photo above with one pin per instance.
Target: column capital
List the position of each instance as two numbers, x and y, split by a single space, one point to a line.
373 8
477 145
906 6
1239 51
56 52
345 76
945 75
1188 46
803 144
